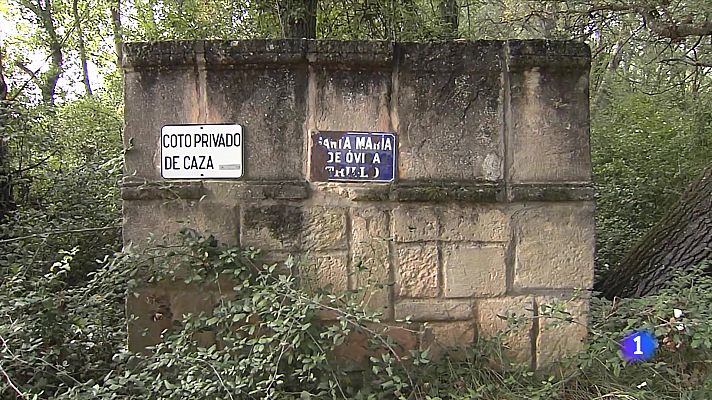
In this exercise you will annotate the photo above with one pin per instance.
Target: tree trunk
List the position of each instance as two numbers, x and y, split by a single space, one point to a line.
82 46
449 16
48 83
6 200
548 19
3 86
680 241
298 18
601 95
118 31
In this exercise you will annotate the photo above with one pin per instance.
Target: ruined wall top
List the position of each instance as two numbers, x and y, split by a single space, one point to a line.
516 54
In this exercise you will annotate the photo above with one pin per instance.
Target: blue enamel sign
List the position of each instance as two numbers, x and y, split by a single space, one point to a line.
345 156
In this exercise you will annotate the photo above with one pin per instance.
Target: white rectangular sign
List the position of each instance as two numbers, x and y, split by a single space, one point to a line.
201 151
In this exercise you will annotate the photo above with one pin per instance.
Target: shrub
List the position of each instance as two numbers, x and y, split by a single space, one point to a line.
60 322
267 340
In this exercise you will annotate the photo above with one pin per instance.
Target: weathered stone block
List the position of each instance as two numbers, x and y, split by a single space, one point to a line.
240 191
549 133
326 271
415 223
458 85
434 310
492 315
174 54
552 192
352 55
446 192
367 193
172 98
475 224
324 229
441 337
348 100
562 330
554 246
145 218
255 53
552 54
286 262
270 104
474 270
153 310
140 189
417 271
370 257
276 227
355 351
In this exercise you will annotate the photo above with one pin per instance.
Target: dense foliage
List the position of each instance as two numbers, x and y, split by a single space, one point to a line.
273 344
64 224
65 163
646 150
64 278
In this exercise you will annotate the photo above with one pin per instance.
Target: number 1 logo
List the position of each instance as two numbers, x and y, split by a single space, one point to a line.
638 346
638 351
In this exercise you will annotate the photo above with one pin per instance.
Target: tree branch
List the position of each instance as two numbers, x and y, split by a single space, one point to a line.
610 7
665 28
11 384
82 47
3 86
41 234
117 30
31 73
7 377
33 166
674 30
33 78
691 62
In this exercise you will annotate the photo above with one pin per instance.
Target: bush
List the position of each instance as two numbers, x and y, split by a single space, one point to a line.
270 342
65 163
60 322
54 336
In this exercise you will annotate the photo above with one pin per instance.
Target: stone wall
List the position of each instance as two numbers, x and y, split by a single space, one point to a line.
491 211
